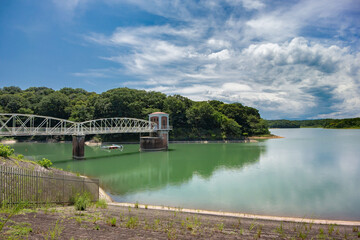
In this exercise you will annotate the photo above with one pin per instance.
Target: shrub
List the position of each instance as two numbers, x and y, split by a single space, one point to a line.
6 151
46 163
82 201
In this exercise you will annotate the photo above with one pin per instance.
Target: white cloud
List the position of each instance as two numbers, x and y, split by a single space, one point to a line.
280 72
221 55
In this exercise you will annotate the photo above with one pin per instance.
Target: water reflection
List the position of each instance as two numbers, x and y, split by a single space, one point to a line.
131 171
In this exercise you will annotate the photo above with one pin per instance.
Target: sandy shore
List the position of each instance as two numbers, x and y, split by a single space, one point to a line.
267 137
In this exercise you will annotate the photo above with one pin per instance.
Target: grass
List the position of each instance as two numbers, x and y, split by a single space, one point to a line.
101 204
280 229
112 222
55 232
132 222
19 231
220 227
331 229
11 212
252 225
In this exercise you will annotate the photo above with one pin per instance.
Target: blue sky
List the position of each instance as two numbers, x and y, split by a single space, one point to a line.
289 59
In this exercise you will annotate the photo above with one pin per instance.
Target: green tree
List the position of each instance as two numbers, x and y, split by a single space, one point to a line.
54 105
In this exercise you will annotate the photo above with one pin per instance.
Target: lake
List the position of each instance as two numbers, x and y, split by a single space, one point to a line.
308 173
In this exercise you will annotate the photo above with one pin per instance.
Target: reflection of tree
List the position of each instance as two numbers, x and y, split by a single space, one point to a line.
143 171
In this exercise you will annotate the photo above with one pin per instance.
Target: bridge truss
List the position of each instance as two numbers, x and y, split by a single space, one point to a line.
31 125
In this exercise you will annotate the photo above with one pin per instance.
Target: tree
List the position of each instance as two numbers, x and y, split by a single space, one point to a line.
54 105
202 115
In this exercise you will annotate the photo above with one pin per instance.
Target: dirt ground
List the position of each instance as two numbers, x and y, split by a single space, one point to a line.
116 222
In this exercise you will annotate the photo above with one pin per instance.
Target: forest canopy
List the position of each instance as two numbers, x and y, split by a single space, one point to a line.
315 123
190 120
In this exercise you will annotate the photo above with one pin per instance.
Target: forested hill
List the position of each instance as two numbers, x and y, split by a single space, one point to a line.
190 120
321 123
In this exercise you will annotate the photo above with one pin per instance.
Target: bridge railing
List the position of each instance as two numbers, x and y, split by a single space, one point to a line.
29 125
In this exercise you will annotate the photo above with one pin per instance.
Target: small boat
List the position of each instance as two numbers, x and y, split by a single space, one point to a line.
113 147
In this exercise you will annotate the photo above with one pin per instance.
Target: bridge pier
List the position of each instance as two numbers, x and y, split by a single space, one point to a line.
78 143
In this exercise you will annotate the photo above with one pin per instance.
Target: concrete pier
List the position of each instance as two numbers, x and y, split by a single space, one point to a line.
78 146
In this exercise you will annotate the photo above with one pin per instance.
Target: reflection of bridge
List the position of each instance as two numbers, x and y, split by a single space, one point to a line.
13 124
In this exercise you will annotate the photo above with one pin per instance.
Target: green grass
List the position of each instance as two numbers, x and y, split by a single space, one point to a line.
101 204
220 227
132 222
55 232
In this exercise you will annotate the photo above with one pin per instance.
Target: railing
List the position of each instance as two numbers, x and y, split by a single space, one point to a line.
14 124
37 187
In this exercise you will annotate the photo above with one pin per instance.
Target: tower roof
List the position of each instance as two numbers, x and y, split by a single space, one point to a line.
155 113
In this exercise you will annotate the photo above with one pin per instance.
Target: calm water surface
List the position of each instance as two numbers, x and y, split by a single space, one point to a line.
309 173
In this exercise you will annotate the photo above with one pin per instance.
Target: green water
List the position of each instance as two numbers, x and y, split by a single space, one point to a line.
309 173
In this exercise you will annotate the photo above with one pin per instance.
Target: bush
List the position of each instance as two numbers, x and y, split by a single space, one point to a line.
6 151
82 201
46 163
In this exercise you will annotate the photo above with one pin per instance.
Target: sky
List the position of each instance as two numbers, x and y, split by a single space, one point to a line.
289 59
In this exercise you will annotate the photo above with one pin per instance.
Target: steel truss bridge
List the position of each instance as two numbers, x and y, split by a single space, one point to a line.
13 124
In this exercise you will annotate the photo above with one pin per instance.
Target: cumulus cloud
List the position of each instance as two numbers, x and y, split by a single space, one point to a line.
260 60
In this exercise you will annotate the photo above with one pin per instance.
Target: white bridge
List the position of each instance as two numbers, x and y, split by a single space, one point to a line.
13 124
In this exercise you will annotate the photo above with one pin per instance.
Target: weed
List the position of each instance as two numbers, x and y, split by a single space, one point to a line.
337 231
280 229
132 222
192 224
156 223
113 222
146 227
17 231
355 229
171 233
101 204
358 234
239 223
129 208
146 206
252 226
258 235
311 224
78 220
330 229
54 233
6 151
94 220
241 231
302 235
220 227
46 163
82 201
136 205
121 217
12 211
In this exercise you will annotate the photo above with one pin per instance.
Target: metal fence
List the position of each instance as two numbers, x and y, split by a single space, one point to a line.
38 187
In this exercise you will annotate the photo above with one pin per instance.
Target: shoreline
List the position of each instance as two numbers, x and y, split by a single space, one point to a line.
109 200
